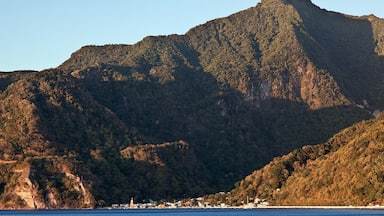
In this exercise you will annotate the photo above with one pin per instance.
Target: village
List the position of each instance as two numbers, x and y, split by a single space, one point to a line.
188 203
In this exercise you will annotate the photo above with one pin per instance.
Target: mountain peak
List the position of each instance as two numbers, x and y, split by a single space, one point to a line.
306 2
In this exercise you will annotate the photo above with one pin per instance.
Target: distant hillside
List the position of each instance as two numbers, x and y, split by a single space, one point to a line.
346 170
186 115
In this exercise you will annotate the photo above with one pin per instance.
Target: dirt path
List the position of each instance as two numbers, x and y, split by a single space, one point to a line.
7 162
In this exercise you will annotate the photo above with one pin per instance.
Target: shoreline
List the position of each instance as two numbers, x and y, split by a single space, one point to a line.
261 208
313 207
322 207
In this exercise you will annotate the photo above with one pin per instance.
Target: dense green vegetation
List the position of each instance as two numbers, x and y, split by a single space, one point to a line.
346 170
185 115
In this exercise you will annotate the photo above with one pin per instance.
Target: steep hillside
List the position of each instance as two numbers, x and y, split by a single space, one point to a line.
346 170
350 48
59 141
165 117
34 174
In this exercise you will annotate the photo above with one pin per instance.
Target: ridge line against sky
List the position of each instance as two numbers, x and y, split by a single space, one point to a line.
42 34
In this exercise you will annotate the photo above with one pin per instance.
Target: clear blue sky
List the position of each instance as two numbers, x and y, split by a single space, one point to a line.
40 34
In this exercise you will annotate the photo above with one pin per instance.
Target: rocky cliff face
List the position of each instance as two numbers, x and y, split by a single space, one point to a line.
34 185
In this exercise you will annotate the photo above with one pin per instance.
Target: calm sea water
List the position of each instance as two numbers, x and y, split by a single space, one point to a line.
199 212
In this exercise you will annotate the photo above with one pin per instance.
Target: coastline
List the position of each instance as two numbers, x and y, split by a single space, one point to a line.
264 207
322 207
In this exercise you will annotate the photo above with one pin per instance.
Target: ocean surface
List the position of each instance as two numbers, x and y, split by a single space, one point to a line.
199 212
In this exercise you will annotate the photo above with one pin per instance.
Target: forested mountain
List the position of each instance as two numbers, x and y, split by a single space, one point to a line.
346 170
186 115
